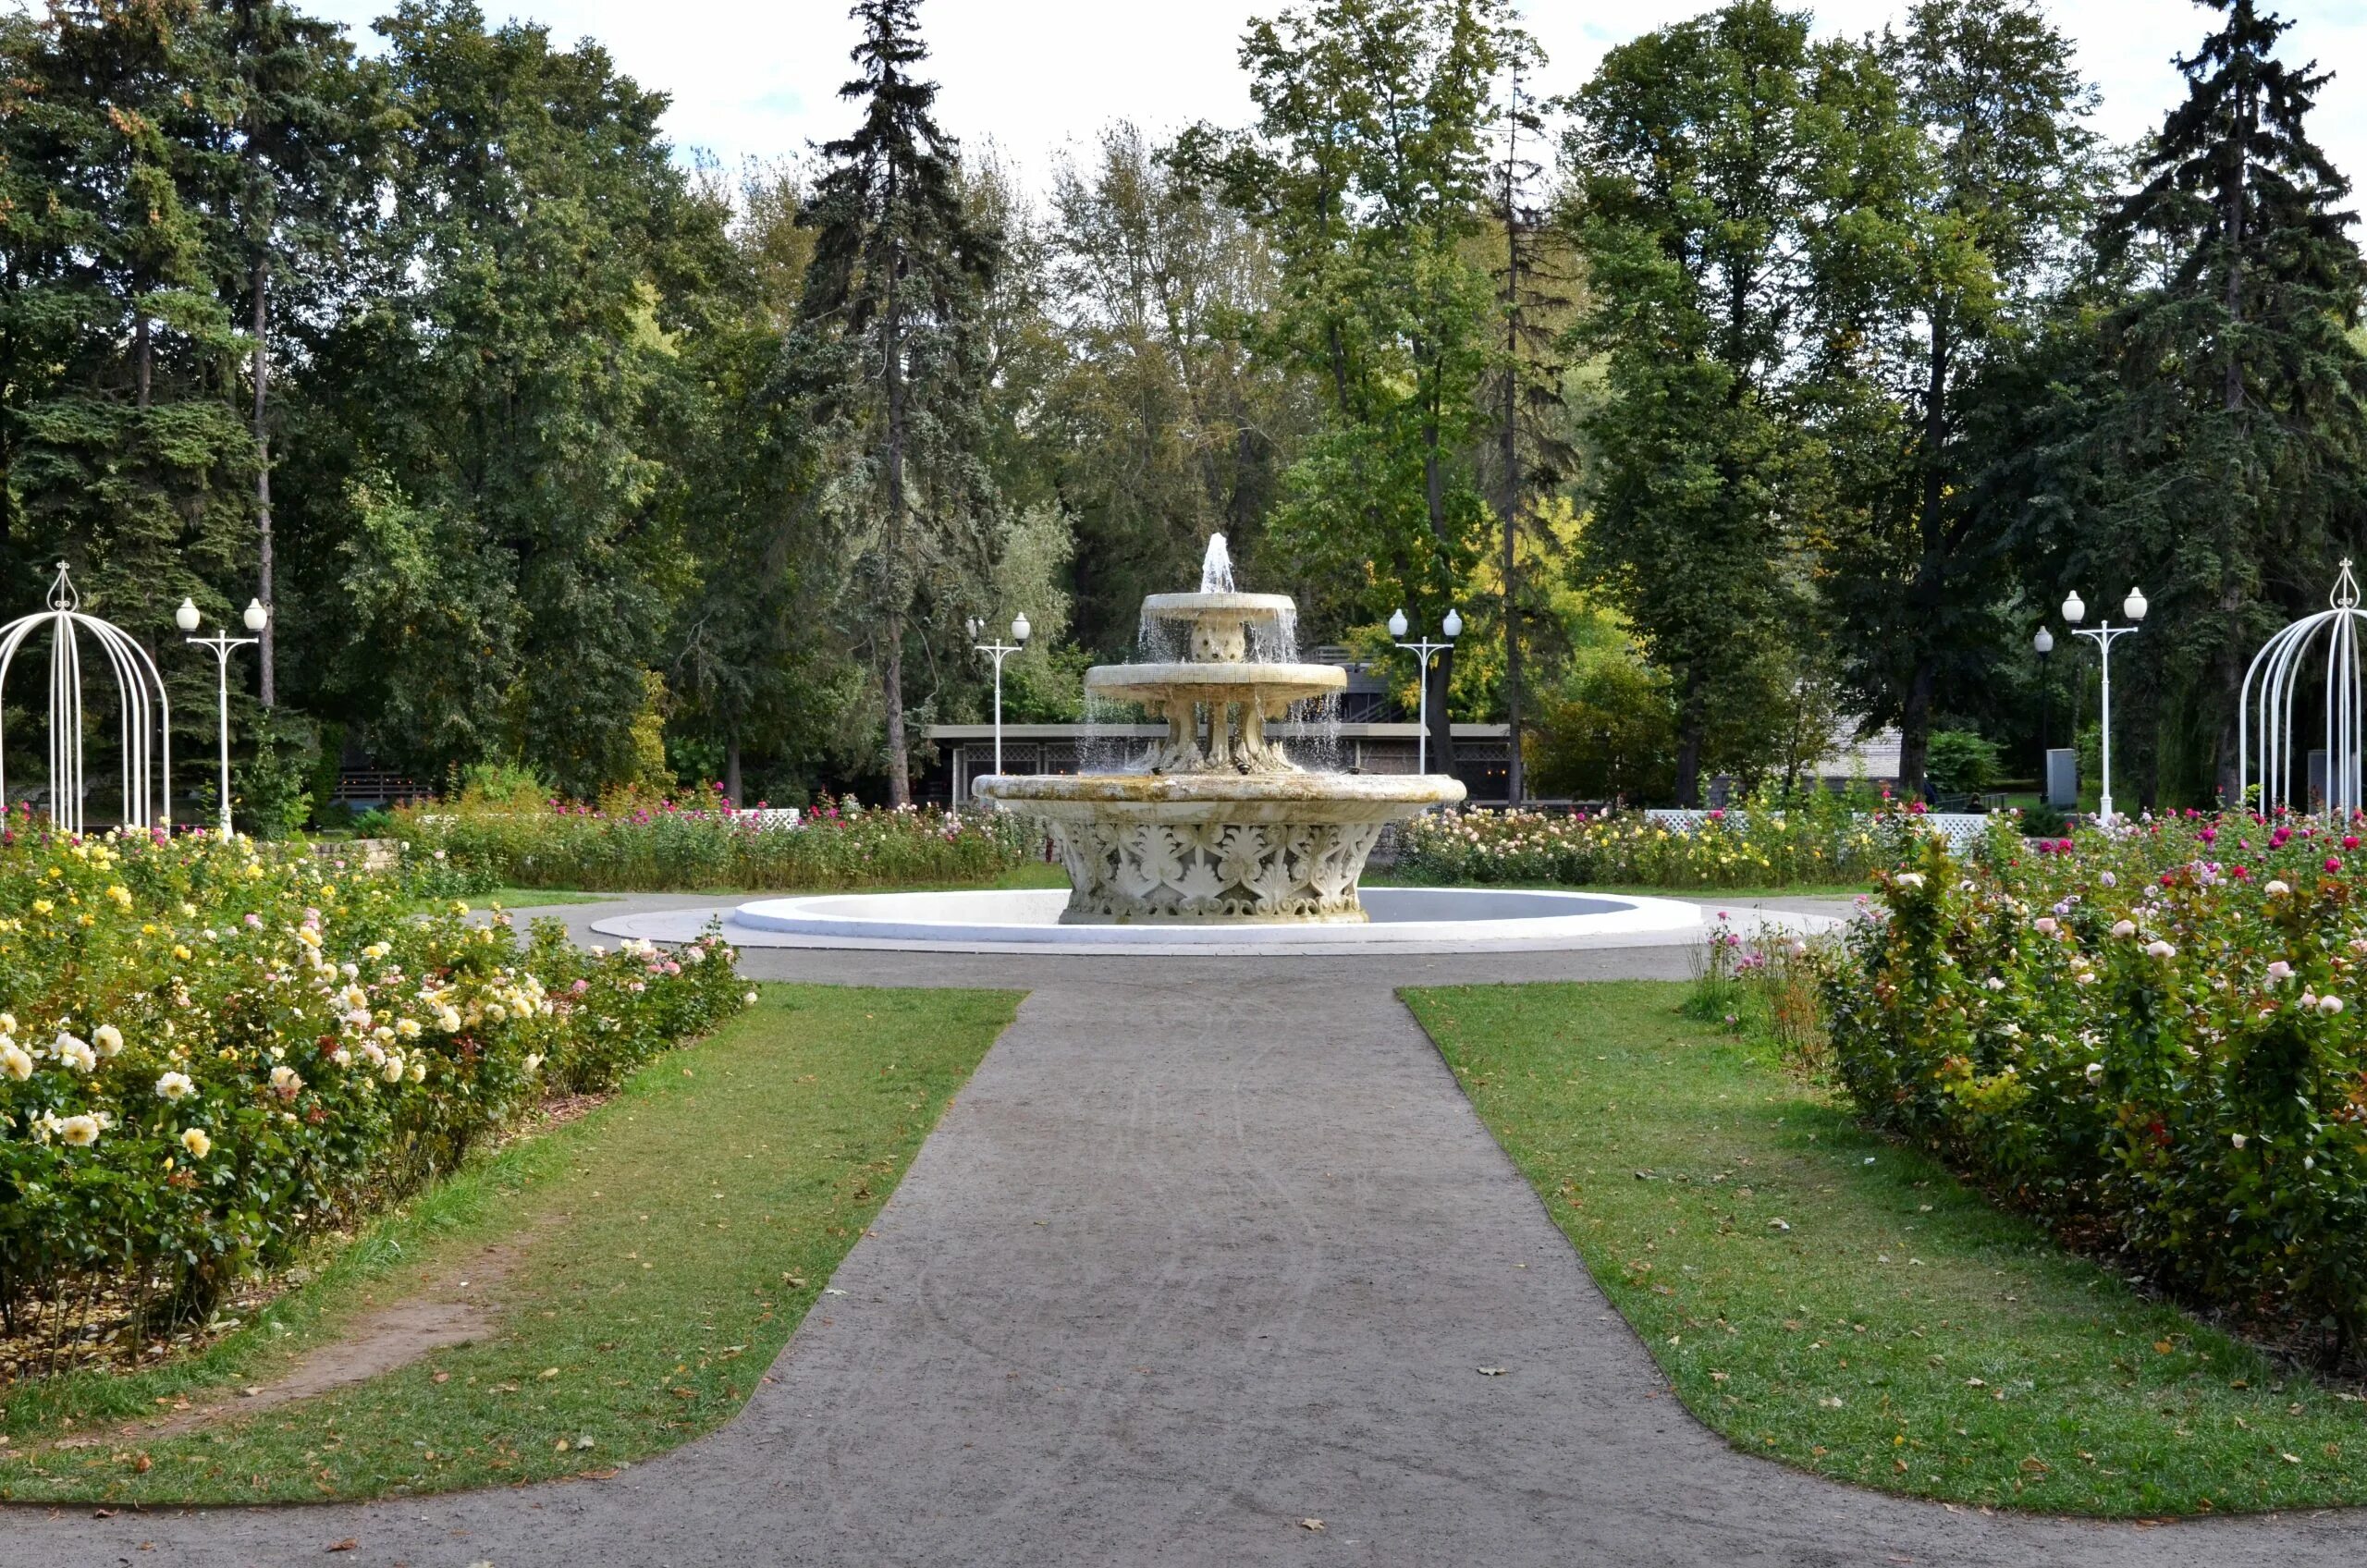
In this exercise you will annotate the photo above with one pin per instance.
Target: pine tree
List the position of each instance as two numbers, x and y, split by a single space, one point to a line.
888 355
2237 440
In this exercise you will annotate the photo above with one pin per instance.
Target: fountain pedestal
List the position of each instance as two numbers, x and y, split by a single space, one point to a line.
1217 824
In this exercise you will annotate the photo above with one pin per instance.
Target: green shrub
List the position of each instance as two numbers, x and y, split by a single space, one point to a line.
1960 761
2154 1036
1817 836
212 1052
674 844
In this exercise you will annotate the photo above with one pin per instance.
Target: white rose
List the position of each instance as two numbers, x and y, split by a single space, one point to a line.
175 1086
197 1142
108 1038
80 1132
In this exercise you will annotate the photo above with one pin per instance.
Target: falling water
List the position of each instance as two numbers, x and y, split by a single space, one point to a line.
1216 567
1101 749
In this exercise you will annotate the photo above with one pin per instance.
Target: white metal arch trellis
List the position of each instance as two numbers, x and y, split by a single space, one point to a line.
2278 669
146 720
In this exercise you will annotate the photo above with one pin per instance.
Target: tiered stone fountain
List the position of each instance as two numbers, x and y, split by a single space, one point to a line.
1217 823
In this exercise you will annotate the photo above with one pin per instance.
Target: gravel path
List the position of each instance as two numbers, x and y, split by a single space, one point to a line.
1208 1251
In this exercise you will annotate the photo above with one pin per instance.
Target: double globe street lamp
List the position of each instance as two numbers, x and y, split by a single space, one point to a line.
2074 612
256 618
1453 627
1001 650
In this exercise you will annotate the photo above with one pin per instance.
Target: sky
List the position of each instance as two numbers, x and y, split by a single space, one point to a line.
1039 77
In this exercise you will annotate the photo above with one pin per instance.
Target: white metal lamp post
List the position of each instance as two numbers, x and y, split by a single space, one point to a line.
1001 650
1427 650
2074 612
186 617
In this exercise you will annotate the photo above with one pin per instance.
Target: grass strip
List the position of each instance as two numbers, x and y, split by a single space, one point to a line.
536 898
671 1241
1822 1297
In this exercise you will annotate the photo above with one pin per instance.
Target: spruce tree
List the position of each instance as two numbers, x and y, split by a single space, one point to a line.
2235 441
889 355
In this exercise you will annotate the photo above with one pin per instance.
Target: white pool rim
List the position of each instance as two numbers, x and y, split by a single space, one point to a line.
1403 919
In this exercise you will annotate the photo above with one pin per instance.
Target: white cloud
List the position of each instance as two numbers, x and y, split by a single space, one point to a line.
760 78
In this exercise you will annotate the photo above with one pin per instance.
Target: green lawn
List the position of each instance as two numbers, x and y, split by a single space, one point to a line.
536 898
1821 1297
671 1240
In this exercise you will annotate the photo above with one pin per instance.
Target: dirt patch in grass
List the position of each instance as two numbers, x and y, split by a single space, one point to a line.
648 1258
458 1304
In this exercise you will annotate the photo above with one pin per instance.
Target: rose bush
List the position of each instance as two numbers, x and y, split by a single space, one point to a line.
211 1052
703 842
2152 1036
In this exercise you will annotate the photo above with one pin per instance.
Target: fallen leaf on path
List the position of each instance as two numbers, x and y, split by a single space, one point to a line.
1311 1524
1492 1371
348 1544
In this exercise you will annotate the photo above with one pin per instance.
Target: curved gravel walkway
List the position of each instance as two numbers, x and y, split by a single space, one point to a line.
1207 1251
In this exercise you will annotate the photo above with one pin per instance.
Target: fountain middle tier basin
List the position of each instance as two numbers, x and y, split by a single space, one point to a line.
1183 847
1272 687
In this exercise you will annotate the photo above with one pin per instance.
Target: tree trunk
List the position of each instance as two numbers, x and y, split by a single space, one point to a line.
1442 730
1516 780
141 360
1434 495
2233 390
900 782
266 665
731 765
1915 729
2228 772
900 776
1692 725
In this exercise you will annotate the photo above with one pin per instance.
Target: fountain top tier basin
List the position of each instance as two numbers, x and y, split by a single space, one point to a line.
1268 608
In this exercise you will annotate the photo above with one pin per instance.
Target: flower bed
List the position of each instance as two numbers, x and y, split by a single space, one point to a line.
211 1052
1818 839
2153 1037
677 847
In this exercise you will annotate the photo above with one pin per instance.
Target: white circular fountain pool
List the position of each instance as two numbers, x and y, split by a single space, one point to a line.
1399 919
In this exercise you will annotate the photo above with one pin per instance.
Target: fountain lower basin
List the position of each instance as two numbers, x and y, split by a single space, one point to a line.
1186 849
1405 920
